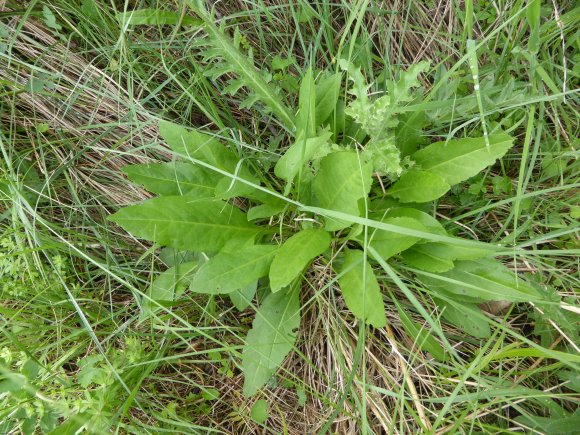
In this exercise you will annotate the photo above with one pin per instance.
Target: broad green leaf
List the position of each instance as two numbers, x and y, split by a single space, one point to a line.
12 382
280 64
183 223
409 132
242 298
419 186
388 243
28 425
299 153
49 19
271 338
175 178
421 336
30 369
359 85
227 187
264 211
465 316
429 222
306 117
426 257
439 257
445 252
198 145
233 270
168 285
571 378
92 371
50 418
389 204
327 92
210 394
563 424
385 204
457 160
466 253
484 280
361 290
295 254
156 17
172 257
341 182
259 412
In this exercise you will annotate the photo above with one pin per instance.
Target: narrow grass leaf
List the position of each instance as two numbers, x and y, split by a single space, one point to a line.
421 336
534 15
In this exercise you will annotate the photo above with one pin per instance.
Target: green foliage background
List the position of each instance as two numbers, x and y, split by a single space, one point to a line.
323 163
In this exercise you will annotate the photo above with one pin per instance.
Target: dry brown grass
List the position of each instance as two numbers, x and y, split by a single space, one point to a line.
86 106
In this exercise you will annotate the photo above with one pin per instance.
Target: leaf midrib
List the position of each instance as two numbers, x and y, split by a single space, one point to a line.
483 148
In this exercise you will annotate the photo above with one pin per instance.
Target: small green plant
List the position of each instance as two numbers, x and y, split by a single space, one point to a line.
38 392
350 191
